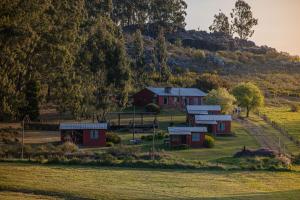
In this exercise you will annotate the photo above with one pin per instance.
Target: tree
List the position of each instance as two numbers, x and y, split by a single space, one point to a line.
221 24
139 58
221 97
243 20
32 102
161 57
207 82
248 96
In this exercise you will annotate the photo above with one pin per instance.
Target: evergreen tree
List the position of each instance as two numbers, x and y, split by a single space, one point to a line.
221 24
161 57
243 20
139 58
32 100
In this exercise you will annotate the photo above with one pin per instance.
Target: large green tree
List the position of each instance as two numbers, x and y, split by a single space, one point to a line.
221 97
221 24
243 20
248 96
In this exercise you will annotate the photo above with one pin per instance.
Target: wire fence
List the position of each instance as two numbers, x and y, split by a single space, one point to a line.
280 128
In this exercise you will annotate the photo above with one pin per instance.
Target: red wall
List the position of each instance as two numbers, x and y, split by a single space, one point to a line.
180 102
143 97
199 143
100 142
227 127
189 141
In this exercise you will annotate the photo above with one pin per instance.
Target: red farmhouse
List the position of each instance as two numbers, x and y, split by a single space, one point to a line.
85 134
192 110
169 97
216 124
190 136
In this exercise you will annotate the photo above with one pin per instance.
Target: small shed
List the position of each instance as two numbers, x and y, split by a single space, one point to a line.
190 136
192 110
84 134
216 124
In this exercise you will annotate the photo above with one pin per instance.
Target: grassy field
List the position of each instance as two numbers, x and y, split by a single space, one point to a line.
287 119
61 182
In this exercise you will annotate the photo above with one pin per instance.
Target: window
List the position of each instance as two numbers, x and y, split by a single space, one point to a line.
221 126
176 100
195 137
94 134
166 100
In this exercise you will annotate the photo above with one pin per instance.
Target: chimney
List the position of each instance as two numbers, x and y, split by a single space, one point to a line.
168 90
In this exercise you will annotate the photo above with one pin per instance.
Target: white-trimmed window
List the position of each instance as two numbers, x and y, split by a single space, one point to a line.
195 137
94 134
166 100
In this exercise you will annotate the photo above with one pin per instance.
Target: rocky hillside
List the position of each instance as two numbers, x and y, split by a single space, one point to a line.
201 51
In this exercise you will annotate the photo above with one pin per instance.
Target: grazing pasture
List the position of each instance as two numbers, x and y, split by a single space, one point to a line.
69 182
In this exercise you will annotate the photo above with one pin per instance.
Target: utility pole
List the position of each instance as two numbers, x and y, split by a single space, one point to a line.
22 152
133 134
152 156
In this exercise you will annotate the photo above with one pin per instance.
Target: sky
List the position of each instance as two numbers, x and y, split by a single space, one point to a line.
278 20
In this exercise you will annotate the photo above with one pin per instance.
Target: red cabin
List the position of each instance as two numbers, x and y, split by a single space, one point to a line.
84 134
192 110
216 124
169 97
190 136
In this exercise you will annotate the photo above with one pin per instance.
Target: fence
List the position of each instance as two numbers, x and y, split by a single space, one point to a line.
281 129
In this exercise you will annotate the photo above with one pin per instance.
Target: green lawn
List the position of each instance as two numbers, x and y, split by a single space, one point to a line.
61 182
224 146
287 119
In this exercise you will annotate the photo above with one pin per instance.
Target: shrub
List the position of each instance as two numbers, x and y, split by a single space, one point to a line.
152 107
296 159
294 107
68 147
158 136
124 152
209 142
113 138
181 147
109 144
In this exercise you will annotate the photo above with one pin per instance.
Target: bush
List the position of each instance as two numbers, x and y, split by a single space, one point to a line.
181 147
113 138
209 142
68 147
109 144
296 159
295 107
152 107
158 136
124 152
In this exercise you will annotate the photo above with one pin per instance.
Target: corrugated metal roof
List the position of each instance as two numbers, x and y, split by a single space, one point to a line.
186 130
206 122
187 92
213 118
202 109
82 126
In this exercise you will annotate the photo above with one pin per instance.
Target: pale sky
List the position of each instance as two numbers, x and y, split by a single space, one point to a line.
278 20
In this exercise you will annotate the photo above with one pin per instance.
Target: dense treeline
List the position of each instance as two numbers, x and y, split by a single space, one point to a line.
72 53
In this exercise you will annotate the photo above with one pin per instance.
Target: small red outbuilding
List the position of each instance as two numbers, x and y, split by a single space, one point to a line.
85 134
193 110
190 136
216 124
